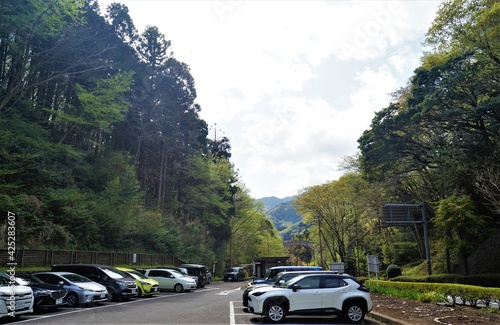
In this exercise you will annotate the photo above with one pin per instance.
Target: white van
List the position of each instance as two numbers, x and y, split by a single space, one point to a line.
15 299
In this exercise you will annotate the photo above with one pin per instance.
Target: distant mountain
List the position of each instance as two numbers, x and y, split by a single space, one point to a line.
271 201
283 215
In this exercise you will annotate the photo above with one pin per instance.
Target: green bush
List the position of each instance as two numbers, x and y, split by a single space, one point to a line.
482 280
431 291
393 271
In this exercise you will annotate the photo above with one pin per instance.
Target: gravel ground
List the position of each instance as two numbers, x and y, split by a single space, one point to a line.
418 313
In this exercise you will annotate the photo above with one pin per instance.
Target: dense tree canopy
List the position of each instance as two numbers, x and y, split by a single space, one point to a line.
101 142
440 137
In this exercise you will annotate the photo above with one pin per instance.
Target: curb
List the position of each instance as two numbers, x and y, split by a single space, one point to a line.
385 319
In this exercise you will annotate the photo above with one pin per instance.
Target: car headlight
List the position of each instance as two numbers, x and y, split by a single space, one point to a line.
121 283
41 293
256 294
143 283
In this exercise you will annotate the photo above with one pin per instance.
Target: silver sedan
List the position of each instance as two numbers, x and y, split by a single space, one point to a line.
81 290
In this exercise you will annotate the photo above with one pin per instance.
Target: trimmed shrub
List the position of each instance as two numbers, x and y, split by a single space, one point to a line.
393 271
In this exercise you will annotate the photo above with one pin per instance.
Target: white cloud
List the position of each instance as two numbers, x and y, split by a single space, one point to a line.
293 84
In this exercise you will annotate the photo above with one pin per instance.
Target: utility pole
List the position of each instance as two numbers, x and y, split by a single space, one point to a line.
320 244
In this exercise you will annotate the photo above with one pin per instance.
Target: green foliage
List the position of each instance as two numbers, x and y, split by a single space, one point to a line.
483 280
469 294
94 156
438 141
393 271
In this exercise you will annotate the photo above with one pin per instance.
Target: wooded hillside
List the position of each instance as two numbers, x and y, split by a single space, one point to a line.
102 145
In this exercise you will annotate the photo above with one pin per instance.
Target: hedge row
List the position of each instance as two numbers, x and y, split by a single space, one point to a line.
467 293
483 280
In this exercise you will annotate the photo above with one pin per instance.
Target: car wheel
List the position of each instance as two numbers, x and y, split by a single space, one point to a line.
178 288
111 296
275 313
139 292
72 299
354 313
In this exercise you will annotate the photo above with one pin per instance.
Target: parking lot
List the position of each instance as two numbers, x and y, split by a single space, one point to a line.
217 303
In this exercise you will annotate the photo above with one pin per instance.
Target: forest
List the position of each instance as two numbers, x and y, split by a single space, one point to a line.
437 143
102 146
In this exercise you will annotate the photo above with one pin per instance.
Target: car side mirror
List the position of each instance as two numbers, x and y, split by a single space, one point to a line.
60 283
295 287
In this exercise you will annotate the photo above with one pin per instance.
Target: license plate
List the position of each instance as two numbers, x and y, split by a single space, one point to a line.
59 301
103 295
134 291
22 305
155 289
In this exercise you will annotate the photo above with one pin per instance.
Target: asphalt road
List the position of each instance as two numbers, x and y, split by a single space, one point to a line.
216 303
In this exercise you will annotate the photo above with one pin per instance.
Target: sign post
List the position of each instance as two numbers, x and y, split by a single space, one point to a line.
373 266
400 214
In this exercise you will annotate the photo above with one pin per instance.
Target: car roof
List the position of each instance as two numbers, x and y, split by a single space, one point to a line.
295 267
309 271
91 265
61 273
342 276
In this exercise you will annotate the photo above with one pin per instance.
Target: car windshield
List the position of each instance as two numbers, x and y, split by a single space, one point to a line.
4 279
177 274
115 274
271 274
76 278
137 274
31 278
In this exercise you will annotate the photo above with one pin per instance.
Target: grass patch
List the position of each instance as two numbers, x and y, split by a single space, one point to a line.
428 297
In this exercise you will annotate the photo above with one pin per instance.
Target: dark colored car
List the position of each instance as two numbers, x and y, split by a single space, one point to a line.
235 273
119 285
46 295
199 271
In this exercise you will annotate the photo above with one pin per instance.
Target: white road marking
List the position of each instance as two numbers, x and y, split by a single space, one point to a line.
226 292
232 320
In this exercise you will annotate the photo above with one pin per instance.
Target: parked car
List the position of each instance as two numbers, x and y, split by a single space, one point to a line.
46 295
280 279
273 272
146 286
198 270
182 270
119 285
81 290
313 294
169 279
235 273
23 301
209 277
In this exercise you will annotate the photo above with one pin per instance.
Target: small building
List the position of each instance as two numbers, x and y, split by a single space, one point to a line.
262 264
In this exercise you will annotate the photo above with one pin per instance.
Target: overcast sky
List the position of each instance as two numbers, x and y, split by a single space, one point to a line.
292 84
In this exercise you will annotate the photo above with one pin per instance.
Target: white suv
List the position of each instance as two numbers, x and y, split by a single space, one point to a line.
313 294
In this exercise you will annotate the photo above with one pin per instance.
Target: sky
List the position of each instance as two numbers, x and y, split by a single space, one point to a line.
292 83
